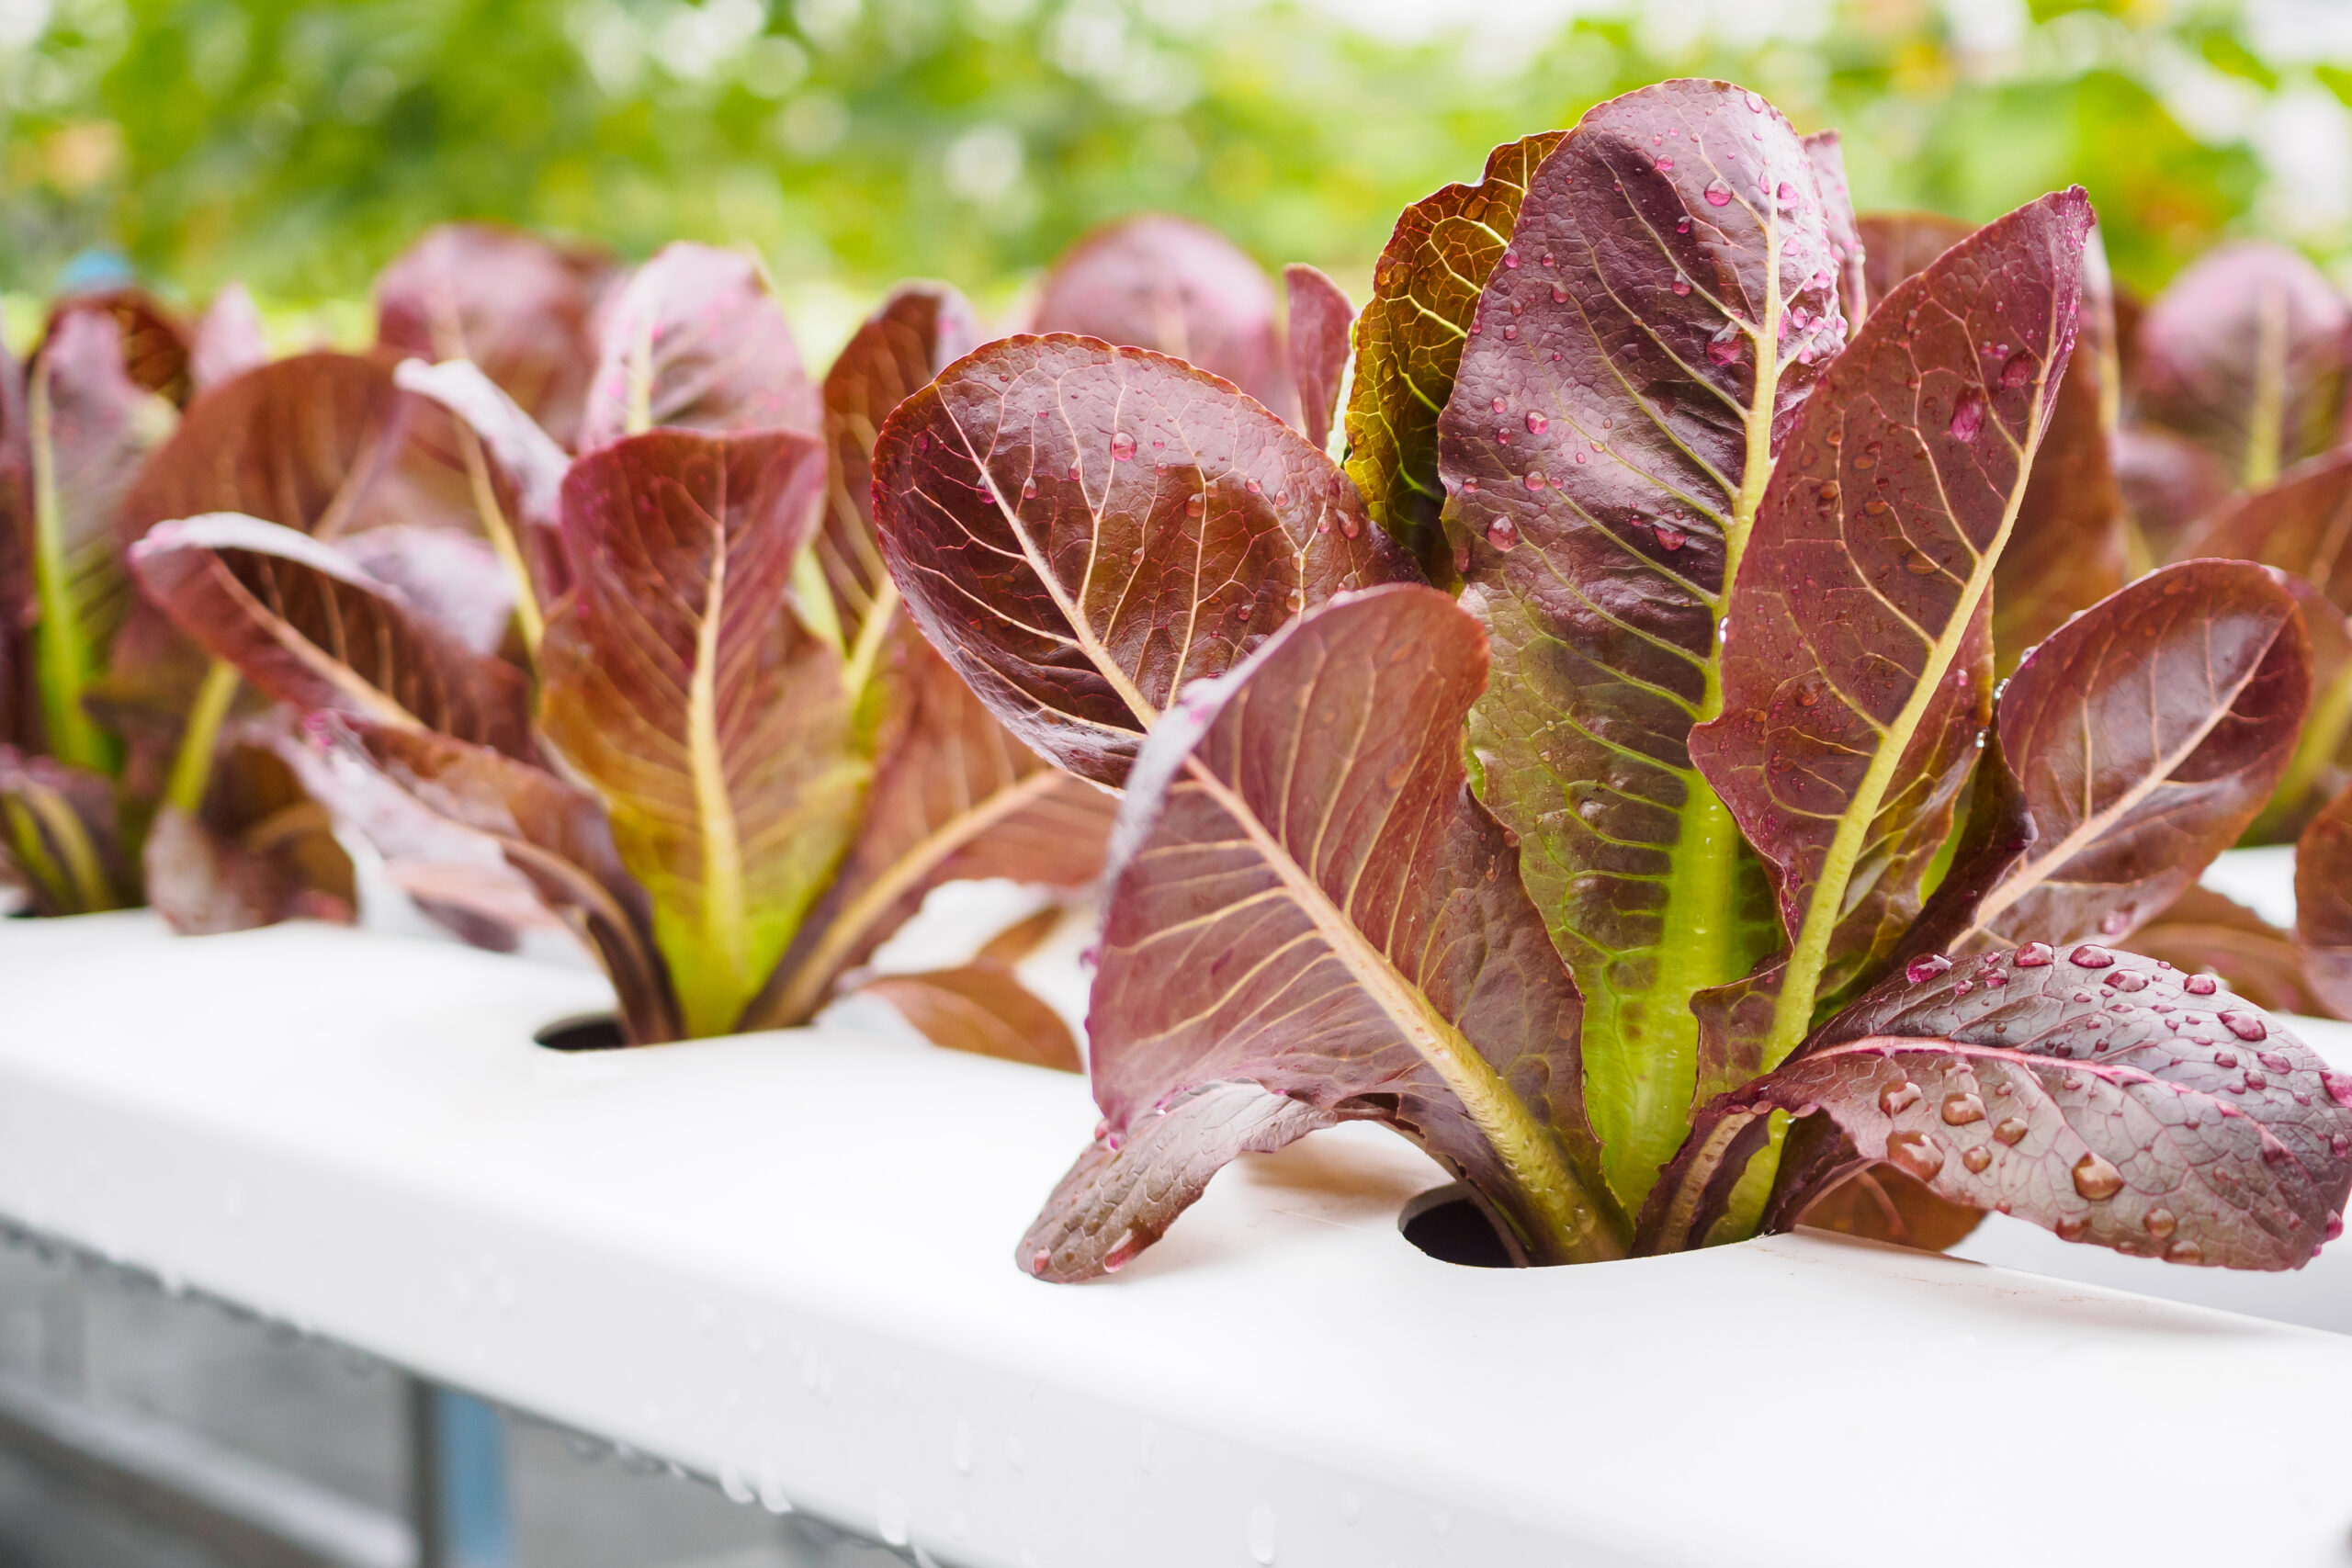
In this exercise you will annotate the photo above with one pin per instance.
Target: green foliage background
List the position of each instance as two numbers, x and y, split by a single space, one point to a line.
300 145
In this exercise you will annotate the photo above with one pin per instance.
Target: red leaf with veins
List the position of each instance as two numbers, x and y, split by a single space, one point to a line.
2145 734
2246 353
915 334
1305 897
1856 669
1320 316
696 341
1662 311
1082 529
519 308
1176 287
954 798
309 625
2092 1092
1409 339
680 684
1837 219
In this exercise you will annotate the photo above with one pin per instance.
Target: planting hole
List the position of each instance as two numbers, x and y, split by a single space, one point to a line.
589 1032
1447 1223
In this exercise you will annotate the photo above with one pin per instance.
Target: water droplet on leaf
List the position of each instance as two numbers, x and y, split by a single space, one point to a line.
2011 1129
1916 1153
1968 415
1718 194
2097 1180
1899 1099
1961 1109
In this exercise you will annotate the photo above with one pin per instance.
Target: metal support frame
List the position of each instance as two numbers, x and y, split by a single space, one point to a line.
249 1511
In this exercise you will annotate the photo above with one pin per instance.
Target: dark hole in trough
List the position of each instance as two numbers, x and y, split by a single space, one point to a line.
1447 1223
591 1032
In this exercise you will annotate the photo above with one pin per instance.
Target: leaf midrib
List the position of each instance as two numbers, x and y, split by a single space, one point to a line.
1526 1148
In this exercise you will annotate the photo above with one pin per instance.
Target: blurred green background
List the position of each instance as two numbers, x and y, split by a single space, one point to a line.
298 146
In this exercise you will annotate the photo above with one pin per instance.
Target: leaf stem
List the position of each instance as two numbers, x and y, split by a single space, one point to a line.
2266 419
1699 944
63 643
1809 953
805 988
192 764
529 618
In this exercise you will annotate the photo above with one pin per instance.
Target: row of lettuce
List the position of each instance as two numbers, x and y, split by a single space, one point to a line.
1678 706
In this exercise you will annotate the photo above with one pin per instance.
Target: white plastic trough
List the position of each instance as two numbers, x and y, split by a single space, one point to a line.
785 1262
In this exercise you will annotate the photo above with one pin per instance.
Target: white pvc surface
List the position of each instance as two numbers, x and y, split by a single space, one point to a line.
786 1261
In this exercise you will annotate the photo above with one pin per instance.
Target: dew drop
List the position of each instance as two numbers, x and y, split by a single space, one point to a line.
1756 102
1073 475
1680 285
2184 1252
1915 1153
2011 1131
2160 1222
1537 424
1122 446
1927 966
1682 225
1510 331
2097 1180
1717 193
1535 480
1029 490
2071 1227
1977 1159
1961 1109
2200 985
1787 193
2127 980
1669 537
1664 165
1723 349
1192 506
1122 1252
1899 1099
1502 533
1920 564
1968 415
2090 957
2246 1026
1262 1535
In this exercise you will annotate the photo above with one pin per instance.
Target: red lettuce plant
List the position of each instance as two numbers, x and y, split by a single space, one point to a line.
713 748
1634 885
120 779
